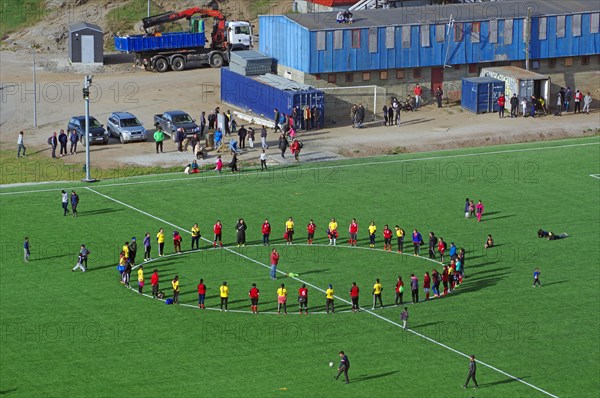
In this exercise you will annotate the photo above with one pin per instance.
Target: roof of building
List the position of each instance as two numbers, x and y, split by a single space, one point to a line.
84 25
441 13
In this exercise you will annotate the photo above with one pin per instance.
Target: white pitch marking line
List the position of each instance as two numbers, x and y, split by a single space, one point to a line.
595 176
203 176
339 298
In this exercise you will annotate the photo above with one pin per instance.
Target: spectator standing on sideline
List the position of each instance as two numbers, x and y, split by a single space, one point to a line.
140 279
344 367
147 246
303 299
266 231
568 98
251 135
175 285
354 292
160 239
253 294
514 106
282 299
439 96
180 137
154 283
578 99
20 145
329 294
132 250
159 137
479 210
74 203
418 91
377 288
26 250
274 262
390 114
263 137
53 142
202 123
201 294
404 317
63 139
472 372
399 291
65 202
536 278
524 106
242 132
414 287
74 139
587 101
211 121
385 114
501 102
263 160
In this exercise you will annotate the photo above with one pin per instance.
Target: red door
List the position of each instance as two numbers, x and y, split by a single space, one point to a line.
437 79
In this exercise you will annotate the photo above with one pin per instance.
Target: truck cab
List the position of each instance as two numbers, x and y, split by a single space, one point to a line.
239 35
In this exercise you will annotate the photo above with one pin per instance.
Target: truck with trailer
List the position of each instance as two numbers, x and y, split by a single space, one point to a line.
158 51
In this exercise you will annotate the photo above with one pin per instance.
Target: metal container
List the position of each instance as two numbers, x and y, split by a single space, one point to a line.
166 41
480 94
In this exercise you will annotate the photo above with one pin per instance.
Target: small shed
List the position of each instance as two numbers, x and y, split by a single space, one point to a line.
480 94
86 43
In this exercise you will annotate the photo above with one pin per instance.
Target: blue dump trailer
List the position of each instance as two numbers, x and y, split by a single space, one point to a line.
262 94
480 94
166 41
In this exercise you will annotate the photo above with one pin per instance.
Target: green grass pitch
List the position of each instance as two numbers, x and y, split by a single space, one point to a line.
67 333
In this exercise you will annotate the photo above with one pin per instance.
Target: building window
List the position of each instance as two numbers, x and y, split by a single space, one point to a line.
543 23
425 36
576 24
399 74
585 60
440 33
389 37
594 22
458 31
338 39
493 25
331 78
321 40
560 26
355 38
473 68
406 37
475 31
551 63
417 73
383 75
373 40
366 76
569 61
349 77
508 31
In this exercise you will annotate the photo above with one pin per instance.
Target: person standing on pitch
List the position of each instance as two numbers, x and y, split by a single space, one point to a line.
344 367
65 202
26 250
354 292
147 246
536 278
132 250
414 287
404 317
399 291
282 299
140 279
74 203
377 288
472 372
201 294
266 231
253 294
274 262
154 283
224 295
160 239
195 236
175 285
82 259
303 298
20 145
329 299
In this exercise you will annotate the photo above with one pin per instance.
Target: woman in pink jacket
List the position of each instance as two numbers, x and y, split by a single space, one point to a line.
479 210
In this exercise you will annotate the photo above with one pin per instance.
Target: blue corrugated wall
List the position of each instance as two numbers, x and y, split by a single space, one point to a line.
289 44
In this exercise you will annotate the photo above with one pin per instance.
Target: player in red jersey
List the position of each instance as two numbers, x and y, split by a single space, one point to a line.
266 231
426 285
201 293
353 230
303 299
254 293
310 228
387 238
354 290
217 229
441 249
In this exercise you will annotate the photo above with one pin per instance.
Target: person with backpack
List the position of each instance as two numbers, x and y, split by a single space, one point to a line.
53 142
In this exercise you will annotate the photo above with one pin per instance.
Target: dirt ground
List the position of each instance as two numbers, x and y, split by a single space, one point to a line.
121 87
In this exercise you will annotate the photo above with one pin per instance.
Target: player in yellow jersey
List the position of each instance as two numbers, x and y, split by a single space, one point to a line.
282 299
377 288
140 279
195 236
289 231
332 231
224 295
160 239
329 299
372 231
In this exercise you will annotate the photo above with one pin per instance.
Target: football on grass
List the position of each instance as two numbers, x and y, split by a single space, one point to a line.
331 364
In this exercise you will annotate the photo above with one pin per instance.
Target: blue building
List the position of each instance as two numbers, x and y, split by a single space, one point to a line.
434 45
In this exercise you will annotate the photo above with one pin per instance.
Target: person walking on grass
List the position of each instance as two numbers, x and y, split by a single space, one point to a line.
344 367
283 145
377 288
26 250
82 259
404 317
253 294
479 210
140 273
536 278
467 209
65 202
175 286
472 372
154 283
20 145
282 299
74 203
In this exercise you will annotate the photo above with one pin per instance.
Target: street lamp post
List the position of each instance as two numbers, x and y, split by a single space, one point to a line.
86 96
148 7
34 90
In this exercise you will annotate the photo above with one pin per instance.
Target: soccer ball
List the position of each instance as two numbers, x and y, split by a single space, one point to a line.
331 364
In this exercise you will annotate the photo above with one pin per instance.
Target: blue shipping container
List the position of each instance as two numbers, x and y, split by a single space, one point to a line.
480 94
167 41
249 94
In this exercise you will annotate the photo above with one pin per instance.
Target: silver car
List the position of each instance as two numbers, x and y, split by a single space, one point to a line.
126 127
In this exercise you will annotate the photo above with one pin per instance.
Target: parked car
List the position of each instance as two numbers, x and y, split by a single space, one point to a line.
172 120
98 134
125 127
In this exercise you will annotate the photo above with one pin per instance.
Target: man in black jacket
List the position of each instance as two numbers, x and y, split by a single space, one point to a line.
472 372
514 106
